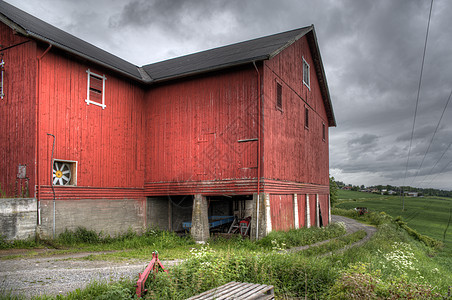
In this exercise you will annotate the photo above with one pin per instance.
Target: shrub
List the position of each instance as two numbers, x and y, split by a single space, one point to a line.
80 235
428 241
360 282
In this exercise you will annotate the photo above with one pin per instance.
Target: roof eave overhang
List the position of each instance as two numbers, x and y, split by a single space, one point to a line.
28 33
314 46
87 57
14 26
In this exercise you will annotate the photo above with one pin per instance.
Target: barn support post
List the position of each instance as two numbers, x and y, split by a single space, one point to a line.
268 214
329 209
295 211
308 214
261 224
317 211
200 221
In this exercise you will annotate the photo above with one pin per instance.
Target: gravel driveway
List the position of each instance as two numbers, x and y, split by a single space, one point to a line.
62 274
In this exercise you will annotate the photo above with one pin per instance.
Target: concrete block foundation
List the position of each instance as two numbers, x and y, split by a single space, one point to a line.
18 218
110 216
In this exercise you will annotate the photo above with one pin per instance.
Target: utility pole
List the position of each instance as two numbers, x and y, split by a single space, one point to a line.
403 200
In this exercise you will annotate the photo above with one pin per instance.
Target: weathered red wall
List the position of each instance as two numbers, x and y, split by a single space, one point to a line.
281 208
17 112
312 208
285 135
108 144
301 210
193 133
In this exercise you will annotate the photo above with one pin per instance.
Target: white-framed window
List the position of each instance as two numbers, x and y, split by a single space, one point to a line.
306 74
2 67
95 89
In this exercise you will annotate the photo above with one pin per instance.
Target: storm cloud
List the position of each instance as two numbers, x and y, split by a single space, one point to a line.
371 50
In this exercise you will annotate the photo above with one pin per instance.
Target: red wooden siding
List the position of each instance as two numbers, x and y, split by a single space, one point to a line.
17 112
202 130
108 144
285 135
312 209
301 210
281 207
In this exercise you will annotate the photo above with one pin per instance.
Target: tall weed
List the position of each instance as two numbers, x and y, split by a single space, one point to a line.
18 244
291 276
301 237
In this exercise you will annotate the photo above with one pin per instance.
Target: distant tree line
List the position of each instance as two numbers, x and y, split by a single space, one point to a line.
397 190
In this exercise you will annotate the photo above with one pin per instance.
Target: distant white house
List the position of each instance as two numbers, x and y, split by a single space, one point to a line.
412 194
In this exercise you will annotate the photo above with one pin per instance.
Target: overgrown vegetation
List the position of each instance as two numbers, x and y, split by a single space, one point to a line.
296 237
18 244
130 244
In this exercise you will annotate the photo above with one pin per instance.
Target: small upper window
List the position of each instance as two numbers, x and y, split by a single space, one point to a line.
306 117
306 75
278 96
96 89
2 66
323 131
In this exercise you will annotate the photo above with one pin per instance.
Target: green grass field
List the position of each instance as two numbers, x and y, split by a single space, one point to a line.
428 215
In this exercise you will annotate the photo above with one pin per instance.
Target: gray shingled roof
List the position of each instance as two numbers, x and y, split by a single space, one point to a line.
215 59
224 57
36 28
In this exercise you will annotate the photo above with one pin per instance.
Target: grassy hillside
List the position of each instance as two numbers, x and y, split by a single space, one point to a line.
427 215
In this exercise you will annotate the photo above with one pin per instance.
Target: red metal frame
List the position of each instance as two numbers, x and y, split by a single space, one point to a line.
153 266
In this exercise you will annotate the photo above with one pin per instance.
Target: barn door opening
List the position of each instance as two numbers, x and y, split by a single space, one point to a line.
320 216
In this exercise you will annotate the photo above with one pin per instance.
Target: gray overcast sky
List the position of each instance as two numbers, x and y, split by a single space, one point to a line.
371 50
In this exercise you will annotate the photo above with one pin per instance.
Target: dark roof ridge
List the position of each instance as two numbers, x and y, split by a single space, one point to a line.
234 44
257 49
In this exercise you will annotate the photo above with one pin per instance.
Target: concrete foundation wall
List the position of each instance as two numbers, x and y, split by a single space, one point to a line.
18 218
158 212
109 216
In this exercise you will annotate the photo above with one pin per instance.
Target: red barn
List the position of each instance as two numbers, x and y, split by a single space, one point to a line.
240 130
